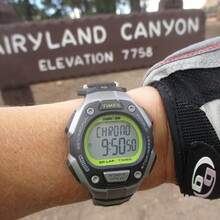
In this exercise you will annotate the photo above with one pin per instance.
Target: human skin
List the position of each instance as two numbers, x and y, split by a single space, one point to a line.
33 145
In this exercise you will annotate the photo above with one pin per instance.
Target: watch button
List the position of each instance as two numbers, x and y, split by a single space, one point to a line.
90 111
95 179
70 122
138 174
73 171
131 108
116 176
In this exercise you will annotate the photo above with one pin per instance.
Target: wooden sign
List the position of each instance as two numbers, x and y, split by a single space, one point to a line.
57 49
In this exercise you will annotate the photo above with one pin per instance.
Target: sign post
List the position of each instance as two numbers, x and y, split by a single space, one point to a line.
14 96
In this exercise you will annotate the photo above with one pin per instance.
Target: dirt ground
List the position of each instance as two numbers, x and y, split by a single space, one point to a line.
164 202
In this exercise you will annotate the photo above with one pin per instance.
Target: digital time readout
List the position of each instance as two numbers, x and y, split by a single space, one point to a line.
112 139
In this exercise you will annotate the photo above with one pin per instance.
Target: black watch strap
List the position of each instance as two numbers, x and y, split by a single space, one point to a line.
98 87
111 202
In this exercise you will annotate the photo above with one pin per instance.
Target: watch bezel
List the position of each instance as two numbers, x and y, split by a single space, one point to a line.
76 143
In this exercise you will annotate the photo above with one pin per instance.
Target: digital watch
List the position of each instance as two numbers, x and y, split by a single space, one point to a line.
110 143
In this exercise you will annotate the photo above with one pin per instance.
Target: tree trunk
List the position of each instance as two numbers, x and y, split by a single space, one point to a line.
110 6
28 10
86 5
135 5
18 96
104 7
170 4
7 13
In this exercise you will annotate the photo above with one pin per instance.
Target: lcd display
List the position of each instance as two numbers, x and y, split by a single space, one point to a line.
112 137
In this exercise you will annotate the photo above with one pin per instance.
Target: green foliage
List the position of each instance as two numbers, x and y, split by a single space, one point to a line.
105 6
45 9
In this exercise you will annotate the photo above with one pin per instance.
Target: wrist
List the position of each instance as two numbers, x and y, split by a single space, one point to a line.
163 170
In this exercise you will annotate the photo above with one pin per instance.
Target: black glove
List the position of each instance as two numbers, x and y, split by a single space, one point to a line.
189 84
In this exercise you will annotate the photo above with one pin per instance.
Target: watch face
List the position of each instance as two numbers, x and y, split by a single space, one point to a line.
113 140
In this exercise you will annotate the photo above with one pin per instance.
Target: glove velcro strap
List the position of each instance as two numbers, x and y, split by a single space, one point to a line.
202 171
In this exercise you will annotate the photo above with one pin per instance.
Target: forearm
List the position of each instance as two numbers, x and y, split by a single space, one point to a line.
34 175
33 159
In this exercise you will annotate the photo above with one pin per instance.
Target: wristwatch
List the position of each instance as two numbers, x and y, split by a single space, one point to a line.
110 143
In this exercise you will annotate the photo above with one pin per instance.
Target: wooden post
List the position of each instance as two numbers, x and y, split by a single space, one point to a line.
20 95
